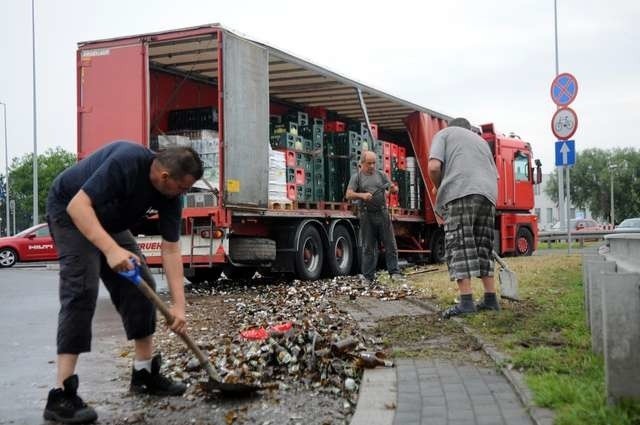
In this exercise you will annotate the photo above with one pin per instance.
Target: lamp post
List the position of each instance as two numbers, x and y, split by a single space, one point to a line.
612 214
6 167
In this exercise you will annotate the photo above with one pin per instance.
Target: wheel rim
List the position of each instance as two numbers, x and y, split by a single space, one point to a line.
523 245
311 258
7 258
342 254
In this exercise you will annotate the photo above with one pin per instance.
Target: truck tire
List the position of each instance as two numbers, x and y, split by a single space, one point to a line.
202 275
309 255
524 242
252 250
341 252
436 245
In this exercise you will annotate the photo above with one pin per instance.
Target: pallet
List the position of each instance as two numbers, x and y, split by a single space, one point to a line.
309 205
282 205
336 206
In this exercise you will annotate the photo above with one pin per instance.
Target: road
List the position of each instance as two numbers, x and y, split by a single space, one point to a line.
28 350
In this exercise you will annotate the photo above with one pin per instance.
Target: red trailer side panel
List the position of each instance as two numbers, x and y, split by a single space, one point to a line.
422 127
112 96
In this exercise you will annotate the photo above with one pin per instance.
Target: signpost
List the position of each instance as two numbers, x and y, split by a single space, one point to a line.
565 153
564 123
564 89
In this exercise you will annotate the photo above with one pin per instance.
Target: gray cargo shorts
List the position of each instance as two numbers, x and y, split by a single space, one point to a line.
82 265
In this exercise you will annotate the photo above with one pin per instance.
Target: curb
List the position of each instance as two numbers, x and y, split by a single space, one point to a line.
539 415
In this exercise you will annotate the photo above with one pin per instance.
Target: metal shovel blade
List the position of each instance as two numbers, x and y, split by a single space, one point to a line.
508 281
215 382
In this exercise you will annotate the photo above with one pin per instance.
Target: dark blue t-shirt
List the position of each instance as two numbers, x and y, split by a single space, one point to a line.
116 179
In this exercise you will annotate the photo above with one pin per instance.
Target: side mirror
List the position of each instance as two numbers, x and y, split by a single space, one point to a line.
538 171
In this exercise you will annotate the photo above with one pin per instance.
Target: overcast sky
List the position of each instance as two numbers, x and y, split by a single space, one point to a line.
489 60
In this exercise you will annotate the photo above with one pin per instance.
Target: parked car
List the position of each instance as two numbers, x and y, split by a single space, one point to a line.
579 225
32 244
628 225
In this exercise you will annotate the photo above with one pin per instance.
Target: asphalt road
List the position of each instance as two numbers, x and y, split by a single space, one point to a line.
28 351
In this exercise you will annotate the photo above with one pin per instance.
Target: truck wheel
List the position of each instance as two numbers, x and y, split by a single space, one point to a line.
524 242
436 245
340 254
201 275
252 250
8 257
309 256
239 273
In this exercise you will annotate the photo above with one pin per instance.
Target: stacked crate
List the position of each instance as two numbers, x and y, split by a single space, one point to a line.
336 161
414 187
301 142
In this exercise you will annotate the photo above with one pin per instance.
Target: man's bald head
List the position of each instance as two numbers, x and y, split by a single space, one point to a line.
367 156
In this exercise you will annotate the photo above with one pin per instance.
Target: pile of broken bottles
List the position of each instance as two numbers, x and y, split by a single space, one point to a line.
288 335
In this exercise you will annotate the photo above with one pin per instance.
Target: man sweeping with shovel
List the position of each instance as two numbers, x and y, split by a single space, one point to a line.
90 208
464 174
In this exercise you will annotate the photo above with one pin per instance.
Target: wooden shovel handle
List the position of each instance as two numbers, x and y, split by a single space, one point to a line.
166 312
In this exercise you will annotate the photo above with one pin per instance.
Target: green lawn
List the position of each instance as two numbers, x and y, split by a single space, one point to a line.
546 336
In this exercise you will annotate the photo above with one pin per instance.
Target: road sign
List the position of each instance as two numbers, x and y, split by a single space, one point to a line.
564 123
565 152
564 89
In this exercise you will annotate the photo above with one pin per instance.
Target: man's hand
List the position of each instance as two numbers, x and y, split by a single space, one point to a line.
119 259
179 324
434 191
366 196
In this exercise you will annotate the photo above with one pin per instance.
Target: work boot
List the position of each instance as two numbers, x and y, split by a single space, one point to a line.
65 406
490 302
145 382
457 310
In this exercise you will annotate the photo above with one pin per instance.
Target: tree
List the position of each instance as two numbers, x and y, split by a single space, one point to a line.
591 182
50 164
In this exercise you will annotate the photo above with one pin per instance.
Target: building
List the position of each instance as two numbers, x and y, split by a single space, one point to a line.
547 210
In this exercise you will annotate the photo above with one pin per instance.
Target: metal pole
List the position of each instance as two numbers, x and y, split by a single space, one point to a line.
569 209
6 168
35 132
560 169
612 214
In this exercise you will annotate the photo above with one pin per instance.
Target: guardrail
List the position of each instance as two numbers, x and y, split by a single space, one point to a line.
578 236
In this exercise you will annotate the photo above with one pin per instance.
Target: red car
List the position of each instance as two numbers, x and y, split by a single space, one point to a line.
32 244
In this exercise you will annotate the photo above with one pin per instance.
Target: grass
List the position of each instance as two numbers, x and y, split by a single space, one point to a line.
546 337
565 245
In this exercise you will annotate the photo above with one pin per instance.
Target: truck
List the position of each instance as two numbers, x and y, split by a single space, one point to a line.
278 136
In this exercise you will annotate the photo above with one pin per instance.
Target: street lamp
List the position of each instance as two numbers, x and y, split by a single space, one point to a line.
6 166
612 214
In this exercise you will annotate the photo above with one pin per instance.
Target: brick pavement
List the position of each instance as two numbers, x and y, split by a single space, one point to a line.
430 391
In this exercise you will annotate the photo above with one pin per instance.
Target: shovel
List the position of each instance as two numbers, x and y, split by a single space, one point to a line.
508 280
215 382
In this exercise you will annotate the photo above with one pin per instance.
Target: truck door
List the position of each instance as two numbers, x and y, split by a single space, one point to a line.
112 96
245 129
523 187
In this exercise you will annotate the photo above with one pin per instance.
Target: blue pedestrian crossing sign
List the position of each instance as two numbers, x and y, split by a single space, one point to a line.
565 152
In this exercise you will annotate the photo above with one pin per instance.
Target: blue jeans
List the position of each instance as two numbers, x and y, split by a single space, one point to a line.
375 227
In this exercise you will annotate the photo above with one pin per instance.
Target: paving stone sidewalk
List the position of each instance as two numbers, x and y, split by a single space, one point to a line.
430 391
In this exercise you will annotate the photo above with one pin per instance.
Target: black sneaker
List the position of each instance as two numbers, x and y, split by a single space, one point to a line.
143 381
65 406
456 310
484 306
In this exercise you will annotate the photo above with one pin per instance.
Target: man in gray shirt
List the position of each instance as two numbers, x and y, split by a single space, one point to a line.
464 173
369 186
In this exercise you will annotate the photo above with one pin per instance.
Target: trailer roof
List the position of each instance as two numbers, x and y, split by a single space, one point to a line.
193 52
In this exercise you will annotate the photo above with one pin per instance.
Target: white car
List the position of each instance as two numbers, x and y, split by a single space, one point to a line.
628 225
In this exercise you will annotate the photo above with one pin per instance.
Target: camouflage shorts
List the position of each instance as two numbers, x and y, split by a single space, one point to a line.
469 224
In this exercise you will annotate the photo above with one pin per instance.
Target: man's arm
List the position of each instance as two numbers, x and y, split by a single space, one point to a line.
81 211
351 195
172 263
435 172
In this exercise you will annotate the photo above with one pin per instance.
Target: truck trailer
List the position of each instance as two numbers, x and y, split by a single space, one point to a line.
279 137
